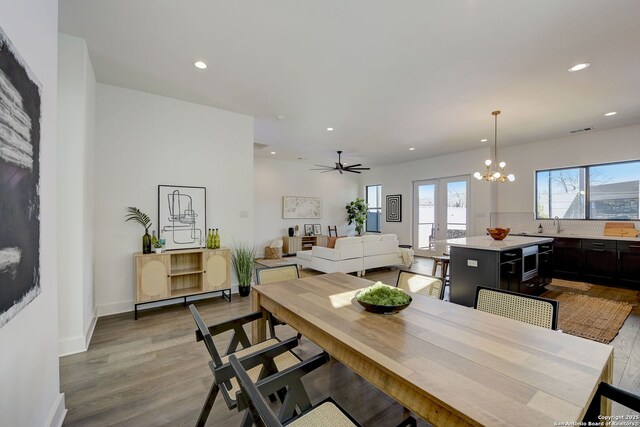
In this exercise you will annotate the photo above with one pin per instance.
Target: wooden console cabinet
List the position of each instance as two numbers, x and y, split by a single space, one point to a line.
302 243
182 273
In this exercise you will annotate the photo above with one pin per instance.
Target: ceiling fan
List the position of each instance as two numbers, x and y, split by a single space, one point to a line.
341 167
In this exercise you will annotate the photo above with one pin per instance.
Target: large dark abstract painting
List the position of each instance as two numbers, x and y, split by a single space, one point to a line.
19 176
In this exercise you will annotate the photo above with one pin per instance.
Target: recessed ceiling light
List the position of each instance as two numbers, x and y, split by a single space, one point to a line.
330 129
273 152
200 64
412 148
483 140
611 113
579 67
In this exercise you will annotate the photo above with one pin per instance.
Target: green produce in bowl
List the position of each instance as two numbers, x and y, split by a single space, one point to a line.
381 294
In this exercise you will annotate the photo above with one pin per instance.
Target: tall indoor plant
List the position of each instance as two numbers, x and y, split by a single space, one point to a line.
357 213
242 258
143 219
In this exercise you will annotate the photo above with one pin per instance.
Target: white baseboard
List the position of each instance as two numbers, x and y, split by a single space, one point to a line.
128 306
114 308
88 334
80 343
57 413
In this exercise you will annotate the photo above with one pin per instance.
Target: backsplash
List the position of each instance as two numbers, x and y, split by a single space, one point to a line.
524 222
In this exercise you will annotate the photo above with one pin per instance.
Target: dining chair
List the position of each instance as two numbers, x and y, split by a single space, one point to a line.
616 394
420 284
296 409
334 229
279 273
525 308
269 357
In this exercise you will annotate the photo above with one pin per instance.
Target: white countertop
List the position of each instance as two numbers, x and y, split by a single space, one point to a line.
488 244
575 236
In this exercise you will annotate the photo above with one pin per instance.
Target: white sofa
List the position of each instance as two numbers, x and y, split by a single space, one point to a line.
353 254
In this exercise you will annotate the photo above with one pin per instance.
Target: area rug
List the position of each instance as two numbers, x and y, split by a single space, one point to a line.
277 262
597 319
568 284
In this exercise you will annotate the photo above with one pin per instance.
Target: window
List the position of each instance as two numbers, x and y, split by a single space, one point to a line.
374 214
602 192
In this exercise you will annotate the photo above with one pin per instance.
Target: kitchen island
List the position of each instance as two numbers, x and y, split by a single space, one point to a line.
517 263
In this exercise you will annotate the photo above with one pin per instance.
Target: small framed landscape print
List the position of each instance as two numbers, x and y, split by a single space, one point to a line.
308 229
317 229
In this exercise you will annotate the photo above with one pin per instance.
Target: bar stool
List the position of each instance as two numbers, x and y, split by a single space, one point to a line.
442 261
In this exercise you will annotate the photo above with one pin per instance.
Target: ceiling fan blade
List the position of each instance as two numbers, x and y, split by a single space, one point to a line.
358 169
323 169
353 166
328 170
324 166
340 170
352 171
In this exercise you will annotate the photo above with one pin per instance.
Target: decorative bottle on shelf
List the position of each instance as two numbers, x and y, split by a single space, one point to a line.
540 228
210 239
216 240
146 242
154 239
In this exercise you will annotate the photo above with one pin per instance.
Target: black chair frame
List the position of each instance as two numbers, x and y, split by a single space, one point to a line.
616 394
264 357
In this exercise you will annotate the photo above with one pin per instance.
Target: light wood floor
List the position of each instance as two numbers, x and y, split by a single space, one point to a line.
151 371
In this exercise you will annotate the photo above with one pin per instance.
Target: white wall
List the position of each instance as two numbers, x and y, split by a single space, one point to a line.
76 165
29 374
145 140
594 147
398 179
276 178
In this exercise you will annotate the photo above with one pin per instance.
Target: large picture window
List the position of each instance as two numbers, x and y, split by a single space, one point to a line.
602 192
374 215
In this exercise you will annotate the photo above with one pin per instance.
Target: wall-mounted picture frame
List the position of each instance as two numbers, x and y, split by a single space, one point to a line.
317 229
182 216
20 118
394 208
308 229
301 207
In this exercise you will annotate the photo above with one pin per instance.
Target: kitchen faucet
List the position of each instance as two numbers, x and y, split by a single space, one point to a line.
556 222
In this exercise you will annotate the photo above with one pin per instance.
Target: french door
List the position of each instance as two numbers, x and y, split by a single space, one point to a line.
440 212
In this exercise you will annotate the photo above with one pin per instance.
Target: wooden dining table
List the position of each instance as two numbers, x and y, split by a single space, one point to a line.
449 364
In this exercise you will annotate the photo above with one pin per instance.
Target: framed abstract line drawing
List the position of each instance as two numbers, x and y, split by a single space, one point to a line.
20 113
394 208
301 207
182 216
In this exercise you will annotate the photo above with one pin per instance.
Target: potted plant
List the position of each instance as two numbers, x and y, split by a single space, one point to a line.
357 214
242 258
159 245
143 219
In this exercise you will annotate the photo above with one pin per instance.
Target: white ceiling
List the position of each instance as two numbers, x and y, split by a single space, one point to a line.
387 75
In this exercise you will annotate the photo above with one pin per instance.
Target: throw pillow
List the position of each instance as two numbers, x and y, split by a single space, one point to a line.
278 243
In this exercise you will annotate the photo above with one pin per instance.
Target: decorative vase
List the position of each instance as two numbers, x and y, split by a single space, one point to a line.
244 291
291 231
146 243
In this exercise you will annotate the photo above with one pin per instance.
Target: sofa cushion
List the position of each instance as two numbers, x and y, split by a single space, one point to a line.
306 255
388 237
371 238
388 244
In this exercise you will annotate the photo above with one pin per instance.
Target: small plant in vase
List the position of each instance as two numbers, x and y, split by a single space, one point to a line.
357 214
159 246
143 219
242 259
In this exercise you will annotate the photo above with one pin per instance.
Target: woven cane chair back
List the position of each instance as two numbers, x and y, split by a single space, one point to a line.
533 310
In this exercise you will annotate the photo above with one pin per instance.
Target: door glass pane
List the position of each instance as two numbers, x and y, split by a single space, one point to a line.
561 193
613 191
426 216
456 209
